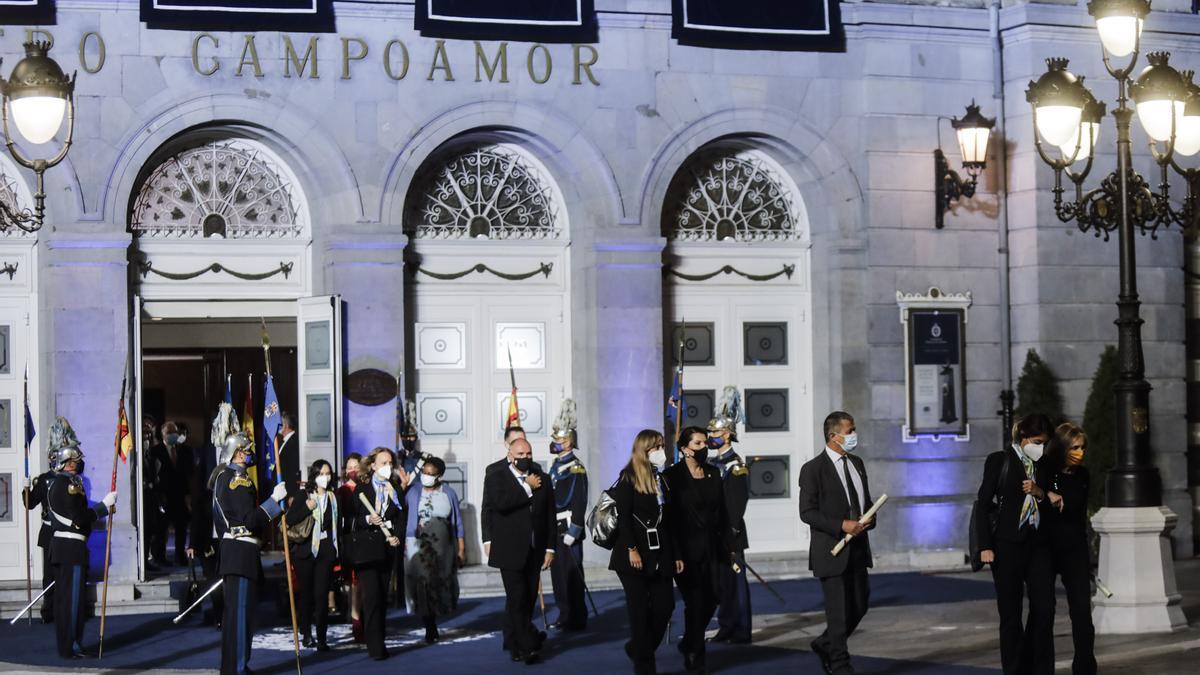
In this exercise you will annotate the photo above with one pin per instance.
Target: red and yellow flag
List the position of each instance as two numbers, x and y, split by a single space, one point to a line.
514 413
124 440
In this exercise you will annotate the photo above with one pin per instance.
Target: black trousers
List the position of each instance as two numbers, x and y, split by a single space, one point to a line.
1020 569
70 584
237 624
315 578
566 574
1074 565
210 566
698 587
180 523
733 618
846 598
373 581
48 574
520 595
649 601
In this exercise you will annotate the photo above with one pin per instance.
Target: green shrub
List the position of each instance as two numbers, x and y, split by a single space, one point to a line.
1037 390
1100 423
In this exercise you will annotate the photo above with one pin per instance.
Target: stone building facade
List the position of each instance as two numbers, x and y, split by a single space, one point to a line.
455 192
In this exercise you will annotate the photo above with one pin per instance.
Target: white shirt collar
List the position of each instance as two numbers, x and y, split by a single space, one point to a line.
834 455
287 436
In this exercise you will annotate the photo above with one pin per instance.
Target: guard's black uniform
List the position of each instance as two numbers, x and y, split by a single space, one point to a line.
241 524
72 519
733 617
34 496
569 478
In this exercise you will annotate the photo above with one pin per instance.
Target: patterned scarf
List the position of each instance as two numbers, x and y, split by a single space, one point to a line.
319 520
1029 509
383 492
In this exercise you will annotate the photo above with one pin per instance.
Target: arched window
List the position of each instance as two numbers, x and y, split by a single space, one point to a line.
485 191
233 188
725 193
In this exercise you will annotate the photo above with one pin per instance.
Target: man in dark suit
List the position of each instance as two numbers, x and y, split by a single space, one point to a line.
523 530
485 509
834 494
289 453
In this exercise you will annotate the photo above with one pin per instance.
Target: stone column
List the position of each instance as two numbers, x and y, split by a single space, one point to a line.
367 270
86 329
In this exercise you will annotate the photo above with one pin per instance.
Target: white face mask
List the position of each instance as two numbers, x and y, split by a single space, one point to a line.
428 480
1033 451
850 442
658 458
384 472
323 481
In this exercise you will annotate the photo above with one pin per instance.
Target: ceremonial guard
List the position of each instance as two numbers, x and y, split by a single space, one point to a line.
71 520
569 478
241 523
408 457
733 617
35 495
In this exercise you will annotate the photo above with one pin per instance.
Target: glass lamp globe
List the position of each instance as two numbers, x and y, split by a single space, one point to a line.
1058 99
1159 93
37 94
1119 23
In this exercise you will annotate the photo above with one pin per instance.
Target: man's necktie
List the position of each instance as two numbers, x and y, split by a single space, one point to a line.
855 506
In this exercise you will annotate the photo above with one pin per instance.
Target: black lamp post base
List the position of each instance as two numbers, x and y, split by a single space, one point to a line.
1133 486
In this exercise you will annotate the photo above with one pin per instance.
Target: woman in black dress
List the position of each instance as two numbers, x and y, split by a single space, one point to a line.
376 541
313 538
645 556
699 520
1068 493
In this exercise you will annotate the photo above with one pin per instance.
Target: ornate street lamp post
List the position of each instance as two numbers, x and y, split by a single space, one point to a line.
1067 117
38 95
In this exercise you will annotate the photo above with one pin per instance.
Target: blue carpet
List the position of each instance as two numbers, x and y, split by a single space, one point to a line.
471 639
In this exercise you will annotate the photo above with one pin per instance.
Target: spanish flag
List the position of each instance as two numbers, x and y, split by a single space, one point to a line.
124 440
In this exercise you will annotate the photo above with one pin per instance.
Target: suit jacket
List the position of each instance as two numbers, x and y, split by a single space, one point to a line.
242 523
520 522
71 518
823 507
636 512
289 462
1011 497
485 508
737 495
355 517
699 517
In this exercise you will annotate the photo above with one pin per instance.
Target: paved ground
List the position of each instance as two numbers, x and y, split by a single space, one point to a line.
918 623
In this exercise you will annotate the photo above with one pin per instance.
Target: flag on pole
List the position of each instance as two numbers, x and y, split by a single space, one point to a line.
124 439
30 428
229 389
248 426
675 399
272 420
513 419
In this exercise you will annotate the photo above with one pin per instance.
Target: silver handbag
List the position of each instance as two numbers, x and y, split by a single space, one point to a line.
602 521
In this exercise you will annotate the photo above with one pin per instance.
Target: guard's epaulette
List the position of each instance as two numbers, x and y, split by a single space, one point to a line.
240 481
578 469
74 486
739 470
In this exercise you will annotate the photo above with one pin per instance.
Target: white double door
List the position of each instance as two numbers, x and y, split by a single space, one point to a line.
755 336
464 332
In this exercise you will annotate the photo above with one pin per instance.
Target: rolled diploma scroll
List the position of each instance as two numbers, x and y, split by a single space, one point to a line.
386 526
862 521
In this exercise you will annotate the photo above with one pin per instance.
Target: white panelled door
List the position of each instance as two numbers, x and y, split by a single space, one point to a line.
319 364
756 336
17 337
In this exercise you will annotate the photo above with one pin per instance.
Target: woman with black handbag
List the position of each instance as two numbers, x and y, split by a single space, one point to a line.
646 555
703 529
313 539
374 541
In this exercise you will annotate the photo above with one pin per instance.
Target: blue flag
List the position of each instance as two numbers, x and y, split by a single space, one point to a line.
675 404
228 392
272 420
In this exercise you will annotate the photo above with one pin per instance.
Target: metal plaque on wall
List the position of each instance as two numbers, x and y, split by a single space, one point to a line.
370 386
935 363
320 418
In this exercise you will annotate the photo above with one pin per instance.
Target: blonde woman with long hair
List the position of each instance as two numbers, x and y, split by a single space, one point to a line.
373 541
646 555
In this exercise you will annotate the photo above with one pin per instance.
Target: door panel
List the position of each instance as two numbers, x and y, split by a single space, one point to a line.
319 363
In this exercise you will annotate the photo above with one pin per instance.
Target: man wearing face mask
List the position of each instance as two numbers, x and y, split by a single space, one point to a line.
734 616
834 494
176 463
485 508
241 524
569 478
1014 540
522 529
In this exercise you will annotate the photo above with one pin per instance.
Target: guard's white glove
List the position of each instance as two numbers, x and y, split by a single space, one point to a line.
568 539
110 499
279 492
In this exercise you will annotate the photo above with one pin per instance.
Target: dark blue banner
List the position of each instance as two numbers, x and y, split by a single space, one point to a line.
306 16
27 12
525 20
798 25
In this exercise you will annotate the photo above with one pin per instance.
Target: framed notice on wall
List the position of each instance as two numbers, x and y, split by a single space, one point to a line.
935 364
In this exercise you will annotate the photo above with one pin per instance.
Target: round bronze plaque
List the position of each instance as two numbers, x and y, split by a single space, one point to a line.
369 386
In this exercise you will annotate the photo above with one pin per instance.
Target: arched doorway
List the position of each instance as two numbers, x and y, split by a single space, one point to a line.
489 265
221 252
737 296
